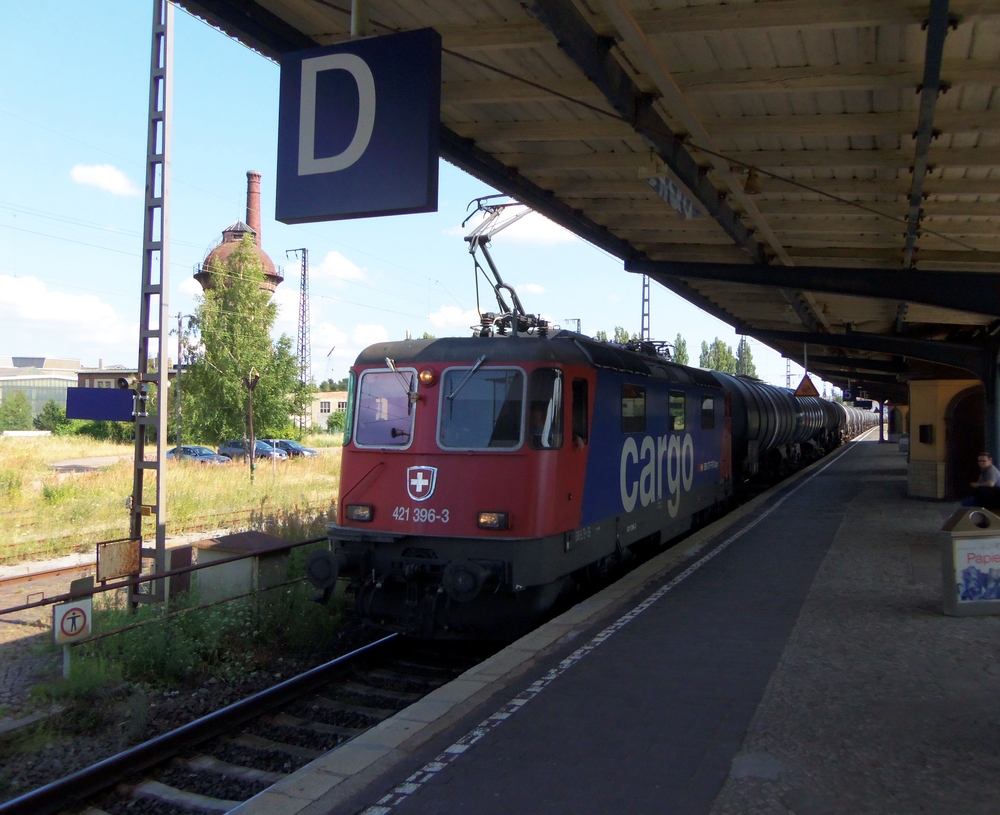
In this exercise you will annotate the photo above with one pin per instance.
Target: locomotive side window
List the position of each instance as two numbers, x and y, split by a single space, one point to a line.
581 410
633 409
385 415
545 409
707 412
676 410
482 410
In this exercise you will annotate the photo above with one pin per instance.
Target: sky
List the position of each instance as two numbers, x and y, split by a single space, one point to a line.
73 112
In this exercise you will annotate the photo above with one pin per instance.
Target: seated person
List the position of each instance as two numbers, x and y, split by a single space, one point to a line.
985 494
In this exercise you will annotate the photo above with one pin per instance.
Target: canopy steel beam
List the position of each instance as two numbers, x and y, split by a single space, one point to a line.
861 364
937 30
592 54
829 373
930 88
976 292
972 358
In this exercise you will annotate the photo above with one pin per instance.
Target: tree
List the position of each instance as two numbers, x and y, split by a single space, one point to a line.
601 336
744 359
331 385
622 337
717 357
15 412
337 421
52 417
681 350
428 336
233 343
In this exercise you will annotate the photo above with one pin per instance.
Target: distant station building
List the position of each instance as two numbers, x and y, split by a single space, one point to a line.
325 404
232 235
38 378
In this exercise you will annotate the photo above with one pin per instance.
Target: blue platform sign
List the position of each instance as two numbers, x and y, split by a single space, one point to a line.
358 128
100 404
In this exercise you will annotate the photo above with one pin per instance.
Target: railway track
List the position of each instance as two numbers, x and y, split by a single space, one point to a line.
213 764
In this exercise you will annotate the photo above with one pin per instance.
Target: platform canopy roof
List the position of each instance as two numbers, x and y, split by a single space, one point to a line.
843 156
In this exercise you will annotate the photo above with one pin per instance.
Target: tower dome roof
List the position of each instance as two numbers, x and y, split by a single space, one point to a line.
217 254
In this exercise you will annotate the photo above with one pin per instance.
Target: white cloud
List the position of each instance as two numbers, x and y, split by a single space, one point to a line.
453 318
287 301
337 269
531 288
334 350
42 321
190 287
105 177
532 228
538 229
365 335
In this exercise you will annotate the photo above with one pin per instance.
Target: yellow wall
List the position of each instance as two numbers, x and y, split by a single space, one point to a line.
929 400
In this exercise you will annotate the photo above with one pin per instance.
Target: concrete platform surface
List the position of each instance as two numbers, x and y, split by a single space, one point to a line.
791 659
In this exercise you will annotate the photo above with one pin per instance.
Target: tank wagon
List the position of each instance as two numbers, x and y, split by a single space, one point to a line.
484 476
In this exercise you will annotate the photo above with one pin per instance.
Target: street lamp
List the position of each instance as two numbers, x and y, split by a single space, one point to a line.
250 381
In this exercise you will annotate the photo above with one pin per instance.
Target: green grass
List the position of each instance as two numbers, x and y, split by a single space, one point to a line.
47 514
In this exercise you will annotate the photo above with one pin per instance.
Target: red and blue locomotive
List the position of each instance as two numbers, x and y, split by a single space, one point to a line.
484 476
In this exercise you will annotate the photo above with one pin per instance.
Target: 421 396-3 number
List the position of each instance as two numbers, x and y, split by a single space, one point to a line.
421 515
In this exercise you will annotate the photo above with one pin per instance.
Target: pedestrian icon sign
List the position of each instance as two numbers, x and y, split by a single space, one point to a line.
71 622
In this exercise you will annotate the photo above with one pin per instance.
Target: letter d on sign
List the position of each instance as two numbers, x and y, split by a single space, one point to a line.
357 68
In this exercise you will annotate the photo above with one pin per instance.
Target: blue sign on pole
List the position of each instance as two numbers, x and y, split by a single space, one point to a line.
358 129
100 404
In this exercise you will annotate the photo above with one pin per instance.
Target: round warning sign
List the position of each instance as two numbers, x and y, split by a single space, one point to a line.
71 621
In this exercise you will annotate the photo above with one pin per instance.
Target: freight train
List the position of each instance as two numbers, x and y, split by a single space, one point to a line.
483 477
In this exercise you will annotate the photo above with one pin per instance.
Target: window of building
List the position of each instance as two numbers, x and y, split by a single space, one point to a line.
676 410
633 409
341 405
324 407
707 412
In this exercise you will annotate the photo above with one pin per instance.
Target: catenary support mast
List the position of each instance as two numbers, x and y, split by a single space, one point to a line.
154 308
305 362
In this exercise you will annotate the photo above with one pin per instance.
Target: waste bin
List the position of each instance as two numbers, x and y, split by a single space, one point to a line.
970 563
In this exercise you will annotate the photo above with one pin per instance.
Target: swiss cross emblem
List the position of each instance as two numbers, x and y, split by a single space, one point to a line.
420 482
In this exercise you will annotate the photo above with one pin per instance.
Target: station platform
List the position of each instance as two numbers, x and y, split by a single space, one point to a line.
791 658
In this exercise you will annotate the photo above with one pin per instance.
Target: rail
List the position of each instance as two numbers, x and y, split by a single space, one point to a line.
54 797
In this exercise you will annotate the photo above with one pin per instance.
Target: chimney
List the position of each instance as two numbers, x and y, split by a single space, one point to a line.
253 202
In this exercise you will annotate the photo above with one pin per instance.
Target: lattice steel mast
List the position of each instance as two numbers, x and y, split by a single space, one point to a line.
305 364
154 308
644 332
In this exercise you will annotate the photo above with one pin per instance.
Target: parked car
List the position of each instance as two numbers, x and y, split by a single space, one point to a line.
239 448
194 452
293 448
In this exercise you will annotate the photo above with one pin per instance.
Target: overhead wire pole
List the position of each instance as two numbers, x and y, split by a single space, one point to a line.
305 363
154 308
644 332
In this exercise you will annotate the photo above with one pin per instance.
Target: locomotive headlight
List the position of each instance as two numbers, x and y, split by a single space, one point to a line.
427 377
360 512
492 520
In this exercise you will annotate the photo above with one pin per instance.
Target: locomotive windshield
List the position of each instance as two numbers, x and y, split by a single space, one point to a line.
486 412
384 415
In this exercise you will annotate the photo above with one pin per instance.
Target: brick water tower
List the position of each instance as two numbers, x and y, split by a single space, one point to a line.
232 235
